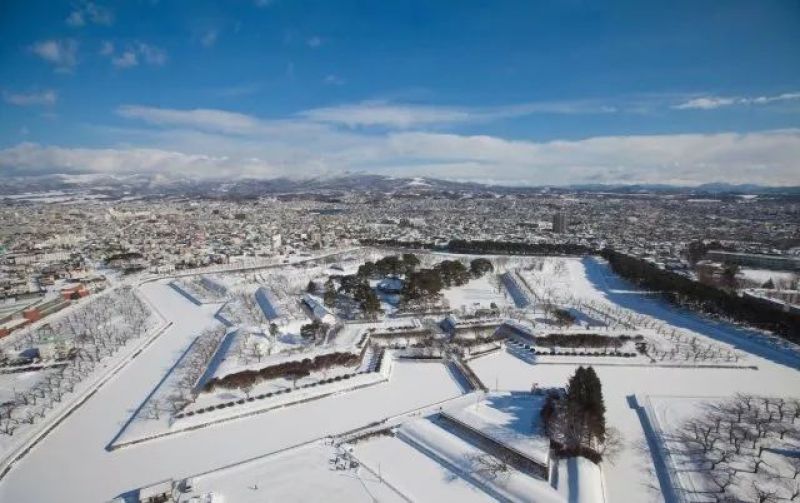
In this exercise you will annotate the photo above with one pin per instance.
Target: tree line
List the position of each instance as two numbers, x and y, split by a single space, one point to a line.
516 248
487 247
290 370
685 291
426 283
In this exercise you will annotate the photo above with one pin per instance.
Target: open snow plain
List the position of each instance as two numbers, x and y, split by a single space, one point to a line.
74 462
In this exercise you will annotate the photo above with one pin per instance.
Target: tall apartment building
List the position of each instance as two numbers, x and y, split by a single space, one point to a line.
560 222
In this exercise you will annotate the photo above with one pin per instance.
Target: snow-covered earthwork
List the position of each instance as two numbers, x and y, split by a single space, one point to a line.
262 385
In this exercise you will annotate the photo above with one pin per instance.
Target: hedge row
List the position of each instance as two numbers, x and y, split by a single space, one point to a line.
585 340
623 354
292 370
241 401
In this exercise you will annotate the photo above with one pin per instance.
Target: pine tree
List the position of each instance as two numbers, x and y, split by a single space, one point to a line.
330 294
584 409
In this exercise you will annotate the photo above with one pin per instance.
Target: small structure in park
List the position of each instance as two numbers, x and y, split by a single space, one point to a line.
317 309
160 492
391 285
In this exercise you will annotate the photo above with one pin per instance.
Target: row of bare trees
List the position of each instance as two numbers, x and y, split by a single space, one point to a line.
182 390
745 449
84 337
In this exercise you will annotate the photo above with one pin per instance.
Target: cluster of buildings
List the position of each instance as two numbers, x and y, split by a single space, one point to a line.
43 245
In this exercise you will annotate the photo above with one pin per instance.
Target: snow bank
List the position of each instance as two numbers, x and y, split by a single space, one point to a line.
579 480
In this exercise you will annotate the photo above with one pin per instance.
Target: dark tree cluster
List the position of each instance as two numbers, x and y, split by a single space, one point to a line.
480 266
712 300
487 247
575 421
357 287
314 330
583 340
696 250
509 248
291 370
391 265
426 283
563 317
416 245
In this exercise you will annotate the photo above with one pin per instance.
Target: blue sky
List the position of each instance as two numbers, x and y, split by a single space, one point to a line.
507 92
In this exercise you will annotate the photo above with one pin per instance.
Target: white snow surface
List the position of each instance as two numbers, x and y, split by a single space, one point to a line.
88 472
72 464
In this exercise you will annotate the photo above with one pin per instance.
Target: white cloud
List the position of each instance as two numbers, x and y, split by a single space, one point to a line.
125 59
334 80
28 159
89 12
209 38
48 97
314 42
106 48
133 54
713 102
152 54
203 119
61 53
405 116
218 143
765 157
377 113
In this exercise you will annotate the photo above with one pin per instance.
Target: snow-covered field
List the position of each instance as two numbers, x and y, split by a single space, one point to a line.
101 474
454 466
743 446
479 293
303 474
761 276
423 462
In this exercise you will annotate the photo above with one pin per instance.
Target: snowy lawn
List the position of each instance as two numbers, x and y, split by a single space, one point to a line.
511 419
479 293
461 459
303 474
101 475
744 447
631 476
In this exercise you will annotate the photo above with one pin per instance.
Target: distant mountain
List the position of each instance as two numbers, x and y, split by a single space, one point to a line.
120 186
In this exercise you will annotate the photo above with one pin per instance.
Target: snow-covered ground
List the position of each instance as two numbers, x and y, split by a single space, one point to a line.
761 276
702 458
478 293
511 419
631 477
303 474
101 475
87 471
461 458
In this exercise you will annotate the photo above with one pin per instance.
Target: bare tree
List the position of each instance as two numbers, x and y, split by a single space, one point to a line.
490 466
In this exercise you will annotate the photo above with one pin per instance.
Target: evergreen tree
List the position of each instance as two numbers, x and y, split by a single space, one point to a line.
410 262
330 294
371 304
312 287
480 266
